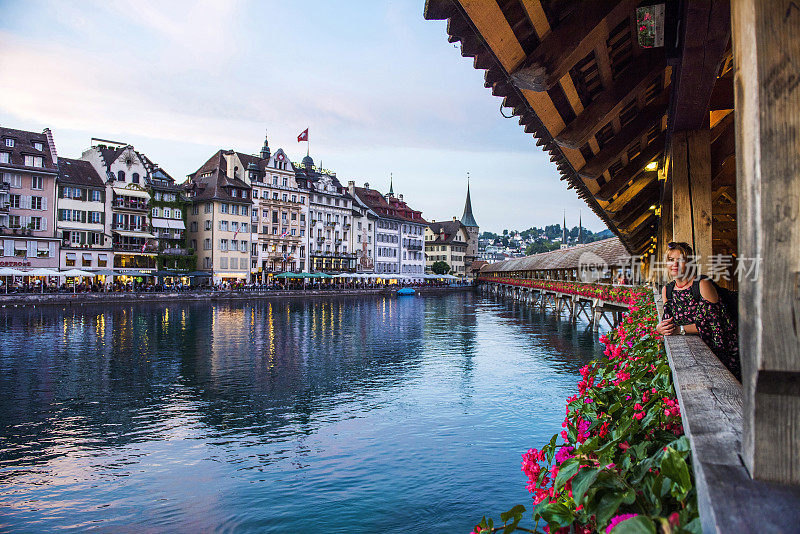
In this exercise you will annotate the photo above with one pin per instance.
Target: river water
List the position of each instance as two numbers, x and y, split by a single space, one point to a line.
352 414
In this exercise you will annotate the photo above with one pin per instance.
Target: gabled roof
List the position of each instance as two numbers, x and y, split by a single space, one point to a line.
23 146
78 172
210 182
388 209
606 251
444 232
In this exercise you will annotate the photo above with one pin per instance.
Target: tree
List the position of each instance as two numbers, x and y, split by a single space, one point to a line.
440 267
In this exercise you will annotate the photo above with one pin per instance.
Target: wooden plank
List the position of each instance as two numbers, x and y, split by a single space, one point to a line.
571 41
706 31
767 86
610 102
712 412
699 150
634 167
643 180
614 148
493 27
679 176
537 16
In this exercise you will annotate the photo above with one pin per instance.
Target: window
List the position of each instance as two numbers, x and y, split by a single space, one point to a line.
255 193
135 178
9 142
36 182
234 193
245 210
244 227
121 176
223 244
14 180
193 226
243 246
155 212
36 203
195 209
102 260
207 244
207 262
5 157
167 213
13 221
294 198
37 145
97 195
95 217
223 225
223 263
207 208
234 226
235 209
14 200
208 224
36 223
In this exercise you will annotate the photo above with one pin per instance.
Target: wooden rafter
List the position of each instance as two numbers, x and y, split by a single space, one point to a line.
608 104
570 42
643 180
634 167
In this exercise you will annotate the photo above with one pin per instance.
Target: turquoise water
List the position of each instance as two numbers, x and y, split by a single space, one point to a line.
334 415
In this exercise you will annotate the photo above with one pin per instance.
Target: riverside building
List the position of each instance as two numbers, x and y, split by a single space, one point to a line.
219 221
330 218
27 199
81 221
362 236
447 241
127 202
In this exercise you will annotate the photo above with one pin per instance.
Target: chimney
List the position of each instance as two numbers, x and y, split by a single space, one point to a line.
51 144
366 185
351 183
433 220
400 196
454 218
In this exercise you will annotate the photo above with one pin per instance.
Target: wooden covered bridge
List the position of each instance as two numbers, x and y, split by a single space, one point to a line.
680 121
576 281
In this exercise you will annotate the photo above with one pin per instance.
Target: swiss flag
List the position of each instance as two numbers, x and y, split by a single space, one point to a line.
303 136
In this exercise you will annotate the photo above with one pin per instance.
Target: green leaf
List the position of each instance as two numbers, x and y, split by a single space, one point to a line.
516 511
693 526
512 526
566 471
674 466
582 481
641 524
629 496
608 505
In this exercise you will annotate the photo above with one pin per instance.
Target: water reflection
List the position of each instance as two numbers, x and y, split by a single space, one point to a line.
280 415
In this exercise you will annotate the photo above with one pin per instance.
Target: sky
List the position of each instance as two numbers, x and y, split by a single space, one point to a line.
379 87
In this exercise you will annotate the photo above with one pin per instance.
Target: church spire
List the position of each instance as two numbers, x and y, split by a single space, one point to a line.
564 231
391 185
467 219
580 228
265 152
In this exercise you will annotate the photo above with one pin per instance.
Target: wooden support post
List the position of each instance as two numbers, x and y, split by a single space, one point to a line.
767 89
666 232
690 167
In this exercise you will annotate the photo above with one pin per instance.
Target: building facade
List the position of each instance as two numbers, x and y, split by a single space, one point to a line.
81 220
447 241
28 174
219 221
168 212
127 204
362 236
330 219
279 215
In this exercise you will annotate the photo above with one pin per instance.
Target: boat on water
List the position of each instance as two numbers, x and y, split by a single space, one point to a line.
405 291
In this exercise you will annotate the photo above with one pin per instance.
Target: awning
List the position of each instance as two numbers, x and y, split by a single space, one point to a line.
125 233
87 256
102 257
131 193
71 256
21 245
176 224
44 245
160 223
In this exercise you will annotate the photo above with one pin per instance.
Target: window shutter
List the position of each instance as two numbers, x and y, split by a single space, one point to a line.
44 223
8 247
102 217
60 215
83 216
83 238
52 249
44 203
32 249
61 191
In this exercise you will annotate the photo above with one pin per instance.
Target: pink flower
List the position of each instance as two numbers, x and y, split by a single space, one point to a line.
616 520
674 519
564 454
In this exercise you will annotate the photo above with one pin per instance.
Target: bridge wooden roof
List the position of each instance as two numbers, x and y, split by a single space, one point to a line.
603 107
609 252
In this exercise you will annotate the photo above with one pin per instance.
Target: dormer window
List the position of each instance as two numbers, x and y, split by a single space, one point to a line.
37 145
234 193
5 157
9 142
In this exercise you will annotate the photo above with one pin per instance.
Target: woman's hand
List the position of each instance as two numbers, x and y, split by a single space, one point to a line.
666 327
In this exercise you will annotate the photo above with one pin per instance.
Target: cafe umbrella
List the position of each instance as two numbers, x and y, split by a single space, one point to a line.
8 271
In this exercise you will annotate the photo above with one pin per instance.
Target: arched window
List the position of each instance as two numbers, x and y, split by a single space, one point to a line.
121 176
135 178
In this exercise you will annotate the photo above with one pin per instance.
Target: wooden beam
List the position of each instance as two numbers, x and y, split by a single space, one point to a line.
610 102
637 206
722 94
617 145
690 167
634 167
570 42
642 181
767 81
706 31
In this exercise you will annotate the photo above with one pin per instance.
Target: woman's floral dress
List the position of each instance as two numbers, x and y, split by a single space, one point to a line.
717 329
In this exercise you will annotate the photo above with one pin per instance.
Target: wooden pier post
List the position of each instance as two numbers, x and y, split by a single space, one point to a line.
767 98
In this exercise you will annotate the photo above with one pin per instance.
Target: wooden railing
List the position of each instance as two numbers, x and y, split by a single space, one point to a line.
606 292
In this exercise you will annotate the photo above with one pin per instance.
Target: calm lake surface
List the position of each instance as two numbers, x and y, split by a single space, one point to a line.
333 415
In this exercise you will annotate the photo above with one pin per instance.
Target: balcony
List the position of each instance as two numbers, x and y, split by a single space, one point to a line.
5 186
128 228
346 226
4 207
123 203
330 223
133 247
320 239
176 251
414 247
